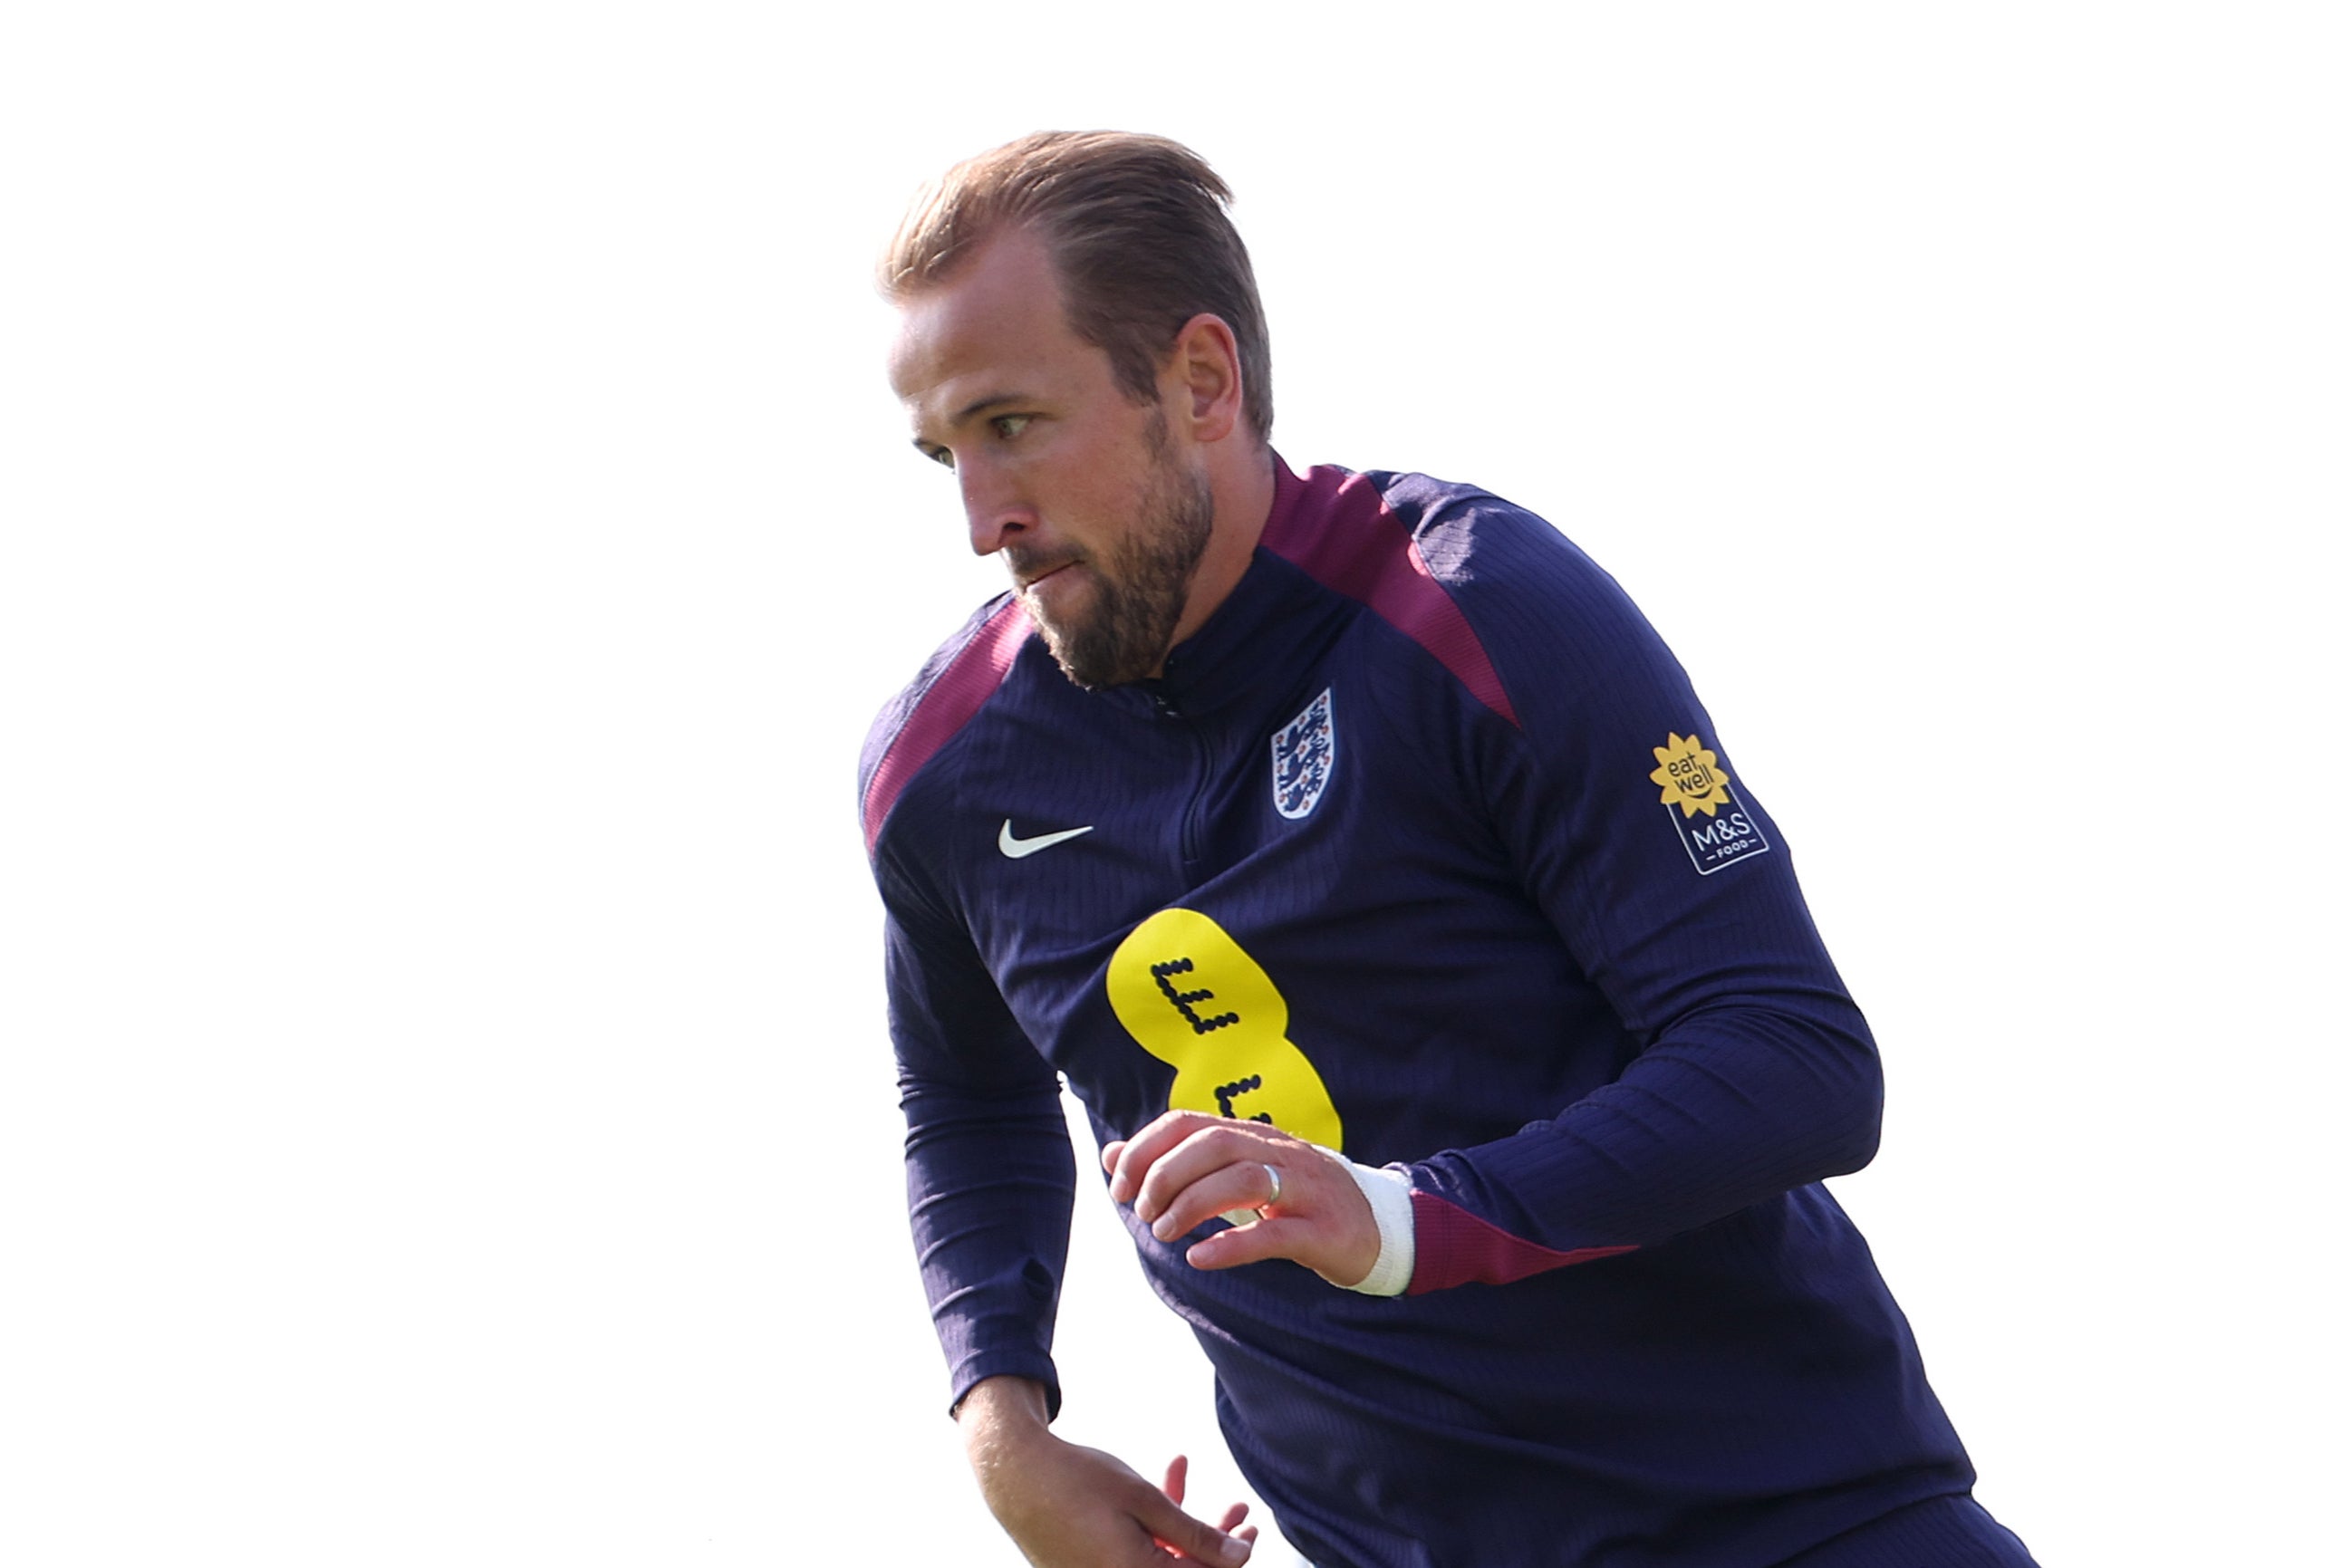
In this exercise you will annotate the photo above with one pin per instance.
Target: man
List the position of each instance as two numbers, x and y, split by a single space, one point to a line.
1463 1057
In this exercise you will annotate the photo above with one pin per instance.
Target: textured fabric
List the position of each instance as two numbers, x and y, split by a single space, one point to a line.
1423 849
1941 1533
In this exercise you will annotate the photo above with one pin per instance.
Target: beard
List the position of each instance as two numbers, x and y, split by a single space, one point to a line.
1121 632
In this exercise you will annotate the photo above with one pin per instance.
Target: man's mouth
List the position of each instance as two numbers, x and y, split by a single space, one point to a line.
1025 581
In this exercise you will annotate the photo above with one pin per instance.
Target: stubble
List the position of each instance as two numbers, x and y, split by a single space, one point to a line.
1141 585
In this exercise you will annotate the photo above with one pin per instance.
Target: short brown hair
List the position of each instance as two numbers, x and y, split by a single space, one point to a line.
1138 231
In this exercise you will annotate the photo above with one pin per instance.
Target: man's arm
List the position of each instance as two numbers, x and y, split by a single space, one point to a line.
989 1173
989 1186
1630 826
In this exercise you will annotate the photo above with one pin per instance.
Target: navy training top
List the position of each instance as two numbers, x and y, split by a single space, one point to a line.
1421 849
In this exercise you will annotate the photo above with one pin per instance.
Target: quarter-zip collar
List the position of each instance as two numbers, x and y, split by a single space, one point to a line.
1265 630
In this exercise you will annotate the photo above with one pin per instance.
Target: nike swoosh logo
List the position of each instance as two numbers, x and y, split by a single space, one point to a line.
1016 849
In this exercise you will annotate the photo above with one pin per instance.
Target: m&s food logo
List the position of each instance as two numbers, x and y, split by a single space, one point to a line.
1693 783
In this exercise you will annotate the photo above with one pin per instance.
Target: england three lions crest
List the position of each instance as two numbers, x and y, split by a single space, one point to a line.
1304 751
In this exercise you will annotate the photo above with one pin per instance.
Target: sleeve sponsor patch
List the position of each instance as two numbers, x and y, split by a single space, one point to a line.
1695 789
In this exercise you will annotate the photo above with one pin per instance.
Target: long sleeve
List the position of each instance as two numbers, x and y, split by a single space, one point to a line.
1753 1071
990 1177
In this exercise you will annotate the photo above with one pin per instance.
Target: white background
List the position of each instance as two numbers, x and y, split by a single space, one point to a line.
457 534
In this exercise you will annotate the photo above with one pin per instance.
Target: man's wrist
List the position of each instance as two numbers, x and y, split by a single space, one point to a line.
1389 1192
1001 1405
1002 1419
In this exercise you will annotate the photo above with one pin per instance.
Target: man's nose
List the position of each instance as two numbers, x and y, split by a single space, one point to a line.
995 508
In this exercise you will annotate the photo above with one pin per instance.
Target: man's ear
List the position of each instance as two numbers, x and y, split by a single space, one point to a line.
1207 364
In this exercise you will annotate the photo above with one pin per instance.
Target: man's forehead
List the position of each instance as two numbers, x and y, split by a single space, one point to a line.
1001 305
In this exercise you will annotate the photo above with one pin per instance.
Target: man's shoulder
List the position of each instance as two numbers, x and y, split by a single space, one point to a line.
930 710
1493 591
1463 536
1453 523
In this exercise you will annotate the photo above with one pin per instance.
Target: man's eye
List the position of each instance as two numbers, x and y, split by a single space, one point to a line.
1009 425
942 456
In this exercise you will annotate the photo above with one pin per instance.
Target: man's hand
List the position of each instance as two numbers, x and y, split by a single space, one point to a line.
1068 1507
1174 1487
1187 1166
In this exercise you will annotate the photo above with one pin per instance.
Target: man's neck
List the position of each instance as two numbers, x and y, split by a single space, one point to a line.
1242 488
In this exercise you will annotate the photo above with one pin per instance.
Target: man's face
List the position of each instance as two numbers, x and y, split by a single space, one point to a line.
1100 520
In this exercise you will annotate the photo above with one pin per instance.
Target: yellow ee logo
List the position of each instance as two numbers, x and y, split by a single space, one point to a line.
1190 996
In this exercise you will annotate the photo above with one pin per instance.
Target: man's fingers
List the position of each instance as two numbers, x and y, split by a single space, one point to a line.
1243 1183
1208 1147
1189 1537
1136 1156
1173 1488
1252 1244
1186 1168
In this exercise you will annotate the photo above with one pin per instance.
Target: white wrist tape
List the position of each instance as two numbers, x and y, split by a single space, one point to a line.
1389 1192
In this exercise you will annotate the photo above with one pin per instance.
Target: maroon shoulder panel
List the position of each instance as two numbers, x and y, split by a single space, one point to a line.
971 678
1333 526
